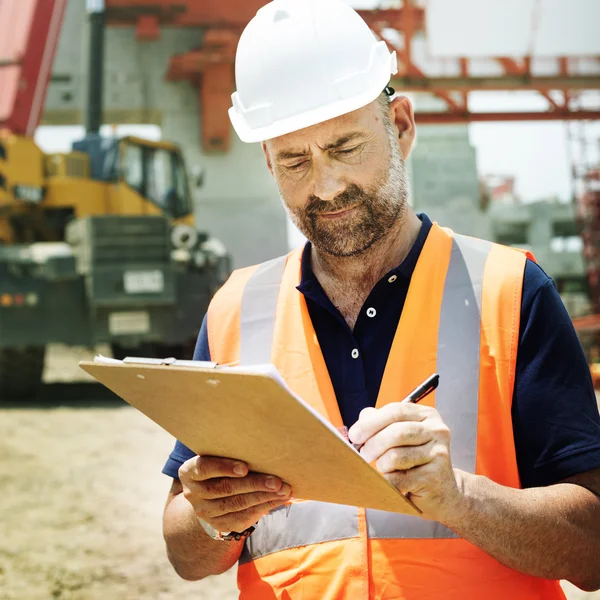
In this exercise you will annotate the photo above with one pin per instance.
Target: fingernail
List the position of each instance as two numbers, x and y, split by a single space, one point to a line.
270 483
355 435
239 469
285 490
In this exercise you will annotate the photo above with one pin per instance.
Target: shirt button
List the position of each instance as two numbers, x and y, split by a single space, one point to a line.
392 279
371 312
355 353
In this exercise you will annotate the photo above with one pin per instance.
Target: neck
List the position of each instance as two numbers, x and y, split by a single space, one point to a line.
368 267
348 281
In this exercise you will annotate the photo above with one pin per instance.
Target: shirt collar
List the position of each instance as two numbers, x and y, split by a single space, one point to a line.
309 282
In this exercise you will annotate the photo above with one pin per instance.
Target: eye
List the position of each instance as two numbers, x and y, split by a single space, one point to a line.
348 151
297 166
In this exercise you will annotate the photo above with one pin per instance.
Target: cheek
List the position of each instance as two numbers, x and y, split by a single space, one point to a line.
293 193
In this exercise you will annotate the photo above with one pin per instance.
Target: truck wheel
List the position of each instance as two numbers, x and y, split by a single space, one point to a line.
21 371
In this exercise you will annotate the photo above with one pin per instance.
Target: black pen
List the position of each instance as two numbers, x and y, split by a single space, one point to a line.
420 392
423 390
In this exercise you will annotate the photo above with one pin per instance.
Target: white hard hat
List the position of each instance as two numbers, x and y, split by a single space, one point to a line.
302 62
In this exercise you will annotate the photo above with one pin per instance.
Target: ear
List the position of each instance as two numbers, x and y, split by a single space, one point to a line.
403 117
268 158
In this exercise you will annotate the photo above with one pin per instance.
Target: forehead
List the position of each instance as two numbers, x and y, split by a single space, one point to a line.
365 121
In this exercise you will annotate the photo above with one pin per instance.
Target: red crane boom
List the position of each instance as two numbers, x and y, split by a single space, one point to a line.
29 34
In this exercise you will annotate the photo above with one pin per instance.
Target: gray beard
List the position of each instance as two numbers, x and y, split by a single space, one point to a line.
377 212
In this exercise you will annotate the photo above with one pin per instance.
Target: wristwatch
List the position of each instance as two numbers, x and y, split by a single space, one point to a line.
226 536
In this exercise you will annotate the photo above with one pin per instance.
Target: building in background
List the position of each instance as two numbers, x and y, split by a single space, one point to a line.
498 189
447 187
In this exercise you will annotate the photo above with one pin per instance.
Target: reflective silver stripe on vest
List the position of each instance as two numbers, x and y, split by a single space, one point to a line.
385 525
259 308
301 524
458 366
456 400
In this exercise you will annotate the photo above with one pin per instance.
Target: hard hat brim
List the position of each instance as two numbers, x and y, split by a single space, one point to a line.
304 120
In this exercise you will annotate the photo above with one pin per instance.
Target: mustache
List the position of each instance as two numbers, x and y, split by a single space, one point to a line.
352 195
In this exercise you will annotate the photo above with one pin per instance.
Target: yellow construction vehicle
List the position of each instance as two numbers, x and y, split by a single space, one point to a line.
97 245
40 194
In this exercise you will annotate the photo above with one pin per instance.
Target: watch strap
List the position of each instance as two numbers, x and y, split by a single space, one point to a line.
226 536
238 536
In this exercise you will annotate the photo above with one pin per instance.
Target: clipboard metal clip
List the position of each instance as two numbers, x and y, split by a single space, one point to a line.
135 360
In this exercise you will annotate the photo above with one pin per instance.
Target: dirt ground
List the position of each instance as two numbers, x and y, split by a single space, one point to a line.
82 497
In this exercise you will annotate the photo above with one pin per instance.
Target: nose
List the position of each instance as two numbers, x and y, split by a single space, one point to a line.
328 183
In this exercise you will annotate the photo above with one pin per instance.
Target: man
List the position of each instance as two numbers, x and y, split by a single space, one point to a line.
504 461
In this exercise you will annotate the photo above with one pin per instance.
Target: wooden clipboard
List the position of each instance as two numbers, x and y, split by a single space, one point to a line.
252 417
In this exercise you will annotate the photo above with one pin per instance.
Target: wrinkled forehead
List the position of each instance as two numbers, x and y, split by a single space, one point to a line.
359 125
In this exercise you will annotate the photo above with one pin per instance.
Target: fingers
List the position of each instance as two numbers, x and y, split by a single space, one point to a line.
201 468
222 487
403 433
240 503
372 421
223 493
409 457
241 520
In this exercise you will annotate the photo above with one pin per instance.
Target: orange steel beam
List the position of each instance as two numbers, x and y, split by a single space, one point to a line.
215 96
211 70
503 83
587 323
184 13
412 71
410 25
563 63
443 118
445 96
408 31
147 29
218 48
229 13
511 67
464 71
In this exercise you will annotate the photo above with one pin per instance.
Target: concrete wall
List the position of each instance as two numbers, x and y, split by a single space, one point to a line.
445 181
239 202
445 186
541 222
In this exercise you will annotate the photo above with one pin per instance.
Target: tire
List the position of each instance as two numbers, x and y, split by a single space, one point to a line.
21 371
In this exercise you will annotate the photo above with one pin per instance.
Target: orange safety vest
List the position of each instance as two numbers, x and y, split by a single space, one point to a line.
460 319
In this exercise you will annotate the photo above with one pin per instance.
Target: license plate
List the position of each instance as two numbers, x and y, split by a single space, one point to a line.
143 282
129 323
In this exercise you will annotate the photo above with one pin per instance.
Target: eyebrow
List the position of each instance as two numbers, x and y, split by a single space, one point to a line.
350 137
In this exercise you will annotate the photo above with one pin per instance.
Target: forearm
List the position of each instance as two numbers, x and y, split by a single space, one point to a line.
552 532
193 554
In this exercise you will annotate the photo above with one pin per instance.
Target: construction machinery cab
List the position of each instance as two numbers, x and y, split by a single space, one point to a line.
153 171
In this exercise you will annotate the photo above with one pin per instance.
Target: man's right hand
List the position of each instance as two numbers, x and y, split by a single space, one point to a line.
226 496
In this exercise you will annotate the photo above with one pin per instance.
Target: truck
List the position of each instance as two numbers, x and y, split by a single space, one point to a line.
97 245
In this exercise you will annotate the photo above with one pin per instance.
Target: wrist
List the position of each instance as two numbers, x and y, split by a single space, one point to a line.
459 510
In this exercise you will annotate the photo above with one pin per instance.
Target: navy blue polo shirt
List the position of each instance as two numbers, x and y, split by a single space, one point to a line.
555 416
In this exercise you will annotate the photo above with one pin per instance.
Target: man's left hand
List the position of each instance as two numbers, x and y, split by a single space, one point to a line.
410 445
